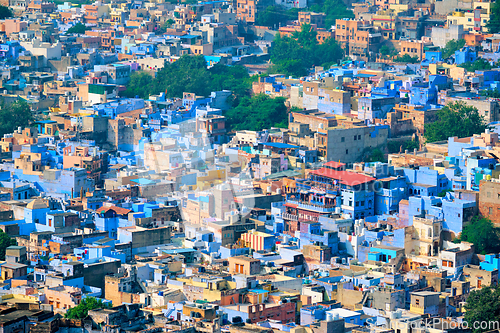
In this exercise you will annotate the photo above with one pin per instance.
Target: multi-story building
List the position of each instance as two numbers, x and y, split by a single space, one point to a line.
489 200
472 20
317 19
373 107
349 144
258 241
413 48
416 117
246 10
317 96
440 36
386 21
214 126
244 265
358 37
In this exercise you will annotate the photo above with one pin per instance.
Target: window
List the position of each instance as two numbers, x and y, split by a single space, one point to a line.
342 139
347 151
417 302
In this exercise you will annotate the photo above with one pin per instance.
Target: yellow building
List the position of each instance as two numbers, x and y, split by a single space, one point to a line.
472 20
386 20
212 178
210 290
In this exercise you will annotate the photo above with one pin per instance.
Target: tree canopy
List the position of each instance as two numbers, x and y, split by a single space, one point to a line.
258 112
81 310
334 10
494 93
493 24
375 155
455 119
483 234
483 306
297 54
5 242
78 28
406 58
165 25
14 115
190 74
5 12
452 46
478 65
397 146
273 16
387 51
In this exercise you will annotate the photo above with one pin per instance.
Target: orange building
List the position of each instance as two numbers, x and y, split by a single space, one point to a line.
317 19
321 34
412 48
244 265
475 39
11 26
63 297
246 10
357 37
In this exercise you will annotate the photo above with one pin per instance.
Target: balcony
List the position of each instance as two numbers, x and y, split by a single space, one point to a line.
296 218
292 217
318 186
314 207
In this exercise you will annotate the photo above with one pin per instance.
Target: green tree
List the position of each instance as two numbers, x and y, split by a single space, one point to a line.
455 119
78 28
190 74
452 46
333 9
385 50
273 16
483 306
406 58
297 54
483 234
81 310
397 146
258 112
493 93
234 78
478 65
442 194
375 155
493 24
5 242
14 115
5 12
141 85
328 53
166 25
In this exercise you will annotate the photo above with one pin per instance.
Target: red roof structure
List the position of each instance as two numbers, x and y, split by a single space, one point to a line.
117 210
333 164
344 177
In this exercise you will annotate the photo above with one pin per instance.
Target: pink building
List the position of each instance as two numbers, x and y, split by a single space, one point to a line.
14 25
